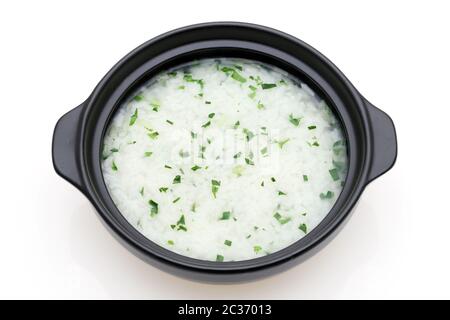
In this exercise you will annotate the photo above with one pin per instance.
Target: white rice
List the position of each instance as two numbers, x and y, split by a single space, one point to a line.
276 184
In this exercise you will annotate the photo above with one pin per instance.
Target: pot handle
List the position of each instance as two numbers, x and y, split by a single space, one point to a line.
64 147
384 141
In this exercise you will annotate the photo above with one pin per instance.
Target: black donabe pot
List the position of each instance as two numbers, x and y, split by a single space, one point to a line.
77 140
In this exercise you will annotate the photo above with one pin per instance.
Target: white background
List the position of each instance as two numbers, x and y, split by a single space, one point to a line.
396 53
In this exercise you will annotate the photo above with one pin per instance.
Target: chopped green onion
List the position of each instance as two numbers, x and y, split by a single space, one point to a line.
237 155
147 154
142 191
228 243
281 143
195 168
211 115
207 124
225 215
312 127
219 258
181 220
257 249
188 78
177 179
281 219
281 193
303 227
169 122
138 98
249 162
167 167
155 106
114 166
334 174
260 106
264 151
183 154
236 125
134 117
305 177
248 134
176 200
170 242
215 184
163 189
207 102
193 135
154 208
273 179
294 121
114 150
266 86
328 195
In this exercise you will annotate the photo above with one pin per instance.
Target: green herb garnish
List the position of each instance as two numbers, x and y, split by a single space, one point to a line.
142 191
207 102
225 215
215 184
176 200
193 135
236 125
281 143
163 189
170 242
227 243
189 78
211 115
264 151
155 106
257 249
273 179
207 124
195 168
294 121
169 122
167 167
183 154
237 155
138 98
134 117
305 177
303 227
266 86
153 208
114 150
260 106
177 179
281 193
248 134
153 134
147 154
249 162
114 166
234 74
328 195
219 258
312 127
334 174
281 219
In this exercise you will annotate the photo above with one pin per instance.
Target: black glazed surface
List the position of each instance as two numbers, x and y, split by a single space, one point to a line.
79 134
